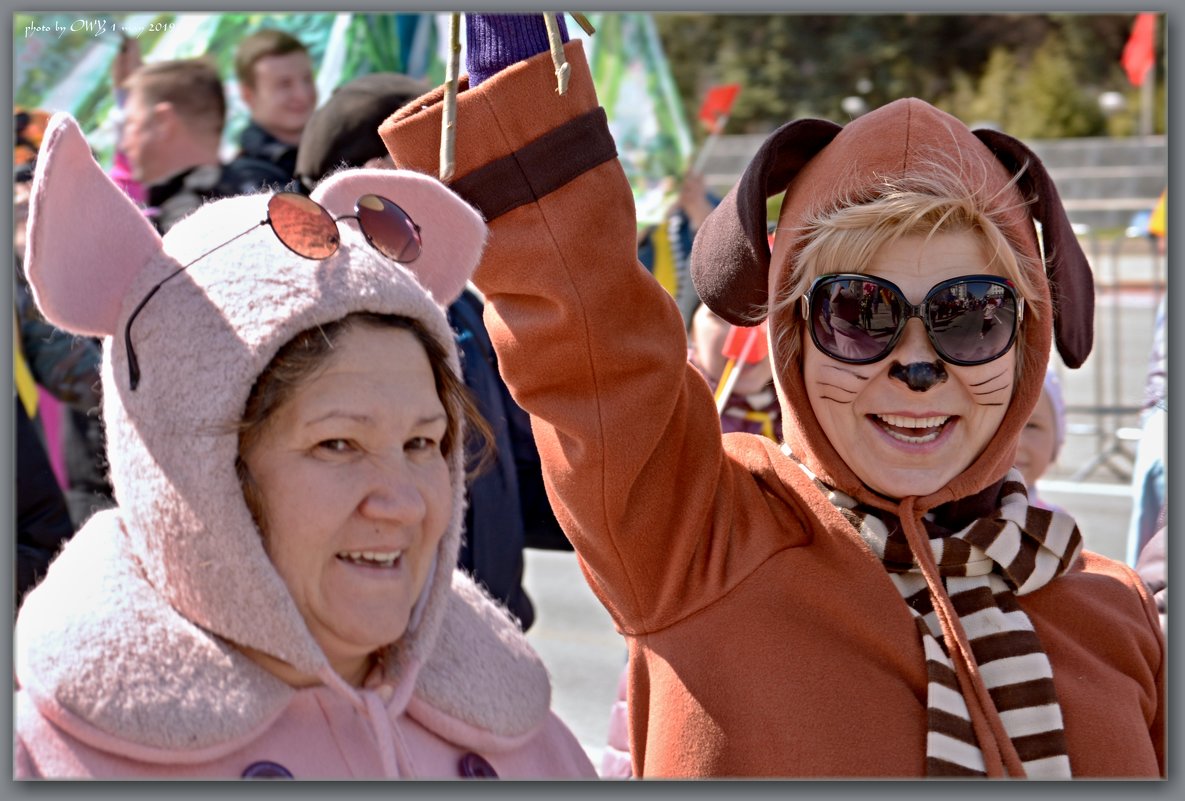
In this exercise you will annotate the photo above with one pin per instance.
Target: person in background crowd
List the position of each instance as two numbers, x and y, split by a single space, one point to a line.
507 507
343 132
171 134
752 405
877 597
42 520
275 76
276 594
126 61
42 523
665 248
1147 538
1042 437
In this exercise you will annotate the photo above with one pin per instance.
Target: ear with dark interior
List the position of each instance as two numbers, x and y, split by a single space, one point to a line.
730 255
1070 280
87 240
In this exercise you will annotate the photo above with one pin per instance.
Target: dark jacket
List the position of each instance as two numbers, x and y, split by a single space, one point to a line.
178 196
263 162
508 507
42 522
68 367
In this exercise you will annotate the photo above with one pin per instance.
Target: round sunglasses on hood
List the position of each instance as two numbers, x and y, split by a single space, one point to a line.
858 319
307 228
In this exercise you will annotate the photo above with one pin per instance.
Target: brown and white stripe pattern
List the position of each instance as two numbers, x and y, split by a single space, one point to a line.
984 567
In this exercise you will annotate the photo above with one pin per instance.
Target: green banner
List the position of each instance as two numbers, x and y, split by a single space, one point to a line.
645 112
62 62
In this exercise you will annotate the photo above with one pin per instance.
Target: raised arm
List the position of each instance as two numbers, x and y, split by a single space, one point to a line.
589 343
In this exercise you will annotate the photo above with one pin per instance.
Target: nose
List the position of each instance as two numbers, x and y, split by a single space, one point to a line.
915 363
394 495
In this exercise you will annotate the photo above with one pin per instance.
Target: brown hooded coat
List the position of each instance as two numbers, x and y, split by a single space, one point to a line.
765 637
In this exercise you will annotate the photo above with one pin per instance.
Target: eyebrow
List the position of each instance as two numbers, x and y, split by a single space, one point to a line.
366 419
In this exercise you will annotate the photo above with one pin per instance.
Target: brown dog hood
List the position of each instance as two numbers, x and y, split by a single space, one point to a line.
819 164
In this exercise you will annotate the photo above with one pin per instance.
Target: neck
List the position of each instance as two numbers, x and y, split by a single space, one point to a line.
354 671
287 137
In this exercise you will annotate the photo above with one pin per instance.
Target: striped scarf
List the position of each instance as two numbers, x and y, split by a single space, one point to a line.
983 568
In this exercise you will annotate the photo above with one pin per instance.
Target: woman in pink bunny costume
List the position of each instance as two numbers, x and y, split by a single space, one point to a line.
171 639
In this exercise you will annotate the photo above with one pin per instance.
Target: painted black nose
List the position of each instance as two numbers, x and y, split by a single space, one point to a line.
919 376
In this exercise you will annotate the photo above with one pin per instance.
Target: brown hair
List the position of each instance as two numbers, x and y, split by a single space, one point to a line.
190 85
303 355
262 44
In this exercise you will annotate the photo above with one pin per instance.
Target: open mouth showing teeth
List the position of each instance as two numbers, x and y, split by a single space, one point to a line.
371 558
911 430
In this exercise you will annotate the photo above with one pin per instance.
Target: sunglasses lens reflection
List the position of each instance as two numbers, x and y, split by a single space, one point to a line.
973 321
302 225
854 320
388 228
857 320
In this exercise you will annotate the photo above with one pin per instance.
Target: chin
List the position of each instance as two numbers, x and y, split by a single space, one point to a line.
904 484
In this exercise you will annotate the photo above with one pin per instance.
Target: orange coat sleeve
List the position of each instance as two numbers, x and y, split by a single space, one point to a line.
595 349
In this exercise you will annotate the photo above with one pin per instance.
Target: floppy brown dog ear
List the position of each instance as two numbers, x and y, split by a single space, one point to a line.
1071 283
730 255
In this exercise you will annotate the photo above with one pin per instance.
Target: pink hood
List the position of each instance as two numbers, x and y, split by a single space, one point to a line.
132 630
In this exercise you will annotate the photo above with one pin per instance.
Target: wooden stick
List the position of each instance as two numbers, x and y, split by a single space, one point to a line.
562 68
448 130
583 22
729 378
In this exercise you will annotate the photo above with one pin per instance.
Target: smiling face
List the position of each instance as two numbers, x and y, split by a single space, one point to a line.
283 95
354 491
899 441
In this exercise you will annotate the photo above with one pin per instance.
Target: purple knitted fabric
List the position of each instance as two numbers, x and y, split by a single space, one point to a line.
495 41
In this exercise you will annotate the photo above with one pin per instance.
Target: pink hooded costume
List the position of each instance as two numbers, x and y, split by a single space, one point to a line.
128 655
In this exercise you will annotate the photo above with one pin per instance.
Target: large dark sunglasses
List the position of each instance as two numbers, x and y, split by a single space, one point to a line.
307 229
858 319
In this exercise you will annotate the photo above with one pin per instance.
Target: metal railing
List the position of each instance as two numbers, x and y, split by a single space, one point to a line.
1115 418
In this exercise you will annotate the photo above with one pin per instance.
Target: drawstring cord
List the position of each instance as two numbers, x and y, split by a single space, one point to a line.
375 710
999 753
380 722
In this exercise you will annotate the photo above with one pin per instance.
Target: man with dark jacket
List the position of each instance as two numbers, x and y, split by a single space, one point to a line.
171 135
275 77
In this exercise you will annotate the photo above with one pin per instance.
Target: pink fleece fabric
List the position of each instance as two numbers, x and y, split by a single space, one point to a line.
128 654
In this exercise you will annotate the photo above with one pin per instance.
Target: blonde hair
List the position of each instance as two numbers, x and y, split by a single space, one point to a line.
844 238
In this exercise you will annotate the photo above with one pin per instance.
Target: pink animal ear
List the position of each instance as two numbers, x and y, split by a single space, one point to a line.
86 240
452 232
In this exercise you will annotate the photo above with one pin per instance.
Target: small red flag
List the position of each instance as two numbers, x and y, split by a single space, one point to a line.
718 103
738 339
1139 54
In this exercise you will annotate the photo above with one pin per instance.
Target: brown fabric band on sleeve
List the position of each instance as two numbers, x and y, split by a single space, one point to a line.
540 167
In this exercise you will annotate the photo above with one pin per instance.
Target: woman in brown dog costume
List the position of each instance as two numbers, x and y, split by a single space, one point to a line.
876 597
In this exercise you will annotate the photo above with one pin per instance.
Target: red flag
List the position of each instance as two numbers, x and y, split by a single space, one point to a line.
747 345
718 103
1139 54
